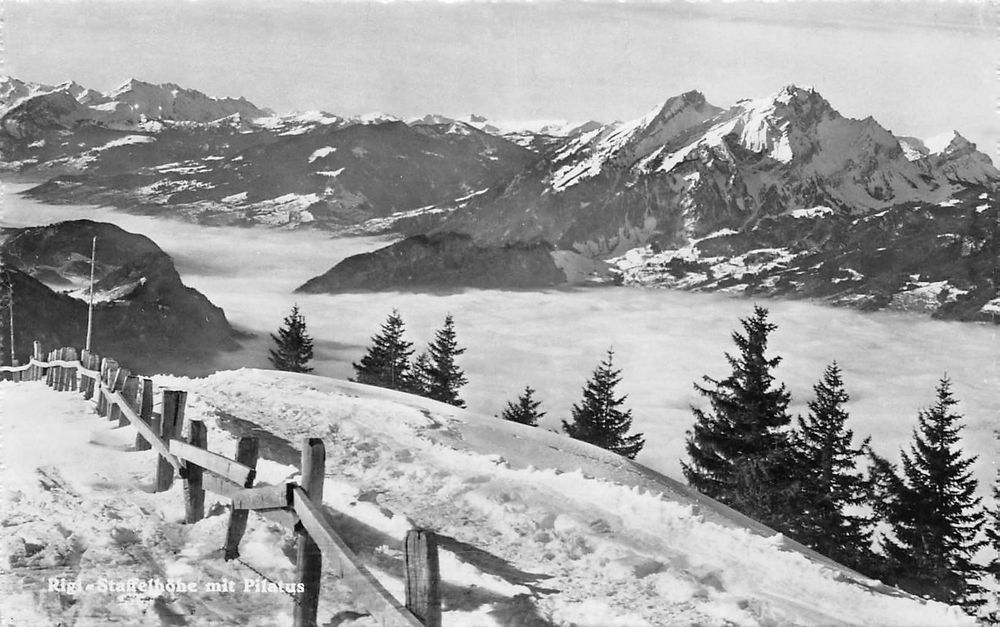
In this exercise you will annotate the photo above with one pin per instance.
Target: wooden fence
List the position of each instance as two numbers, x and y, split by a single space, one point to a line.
128 399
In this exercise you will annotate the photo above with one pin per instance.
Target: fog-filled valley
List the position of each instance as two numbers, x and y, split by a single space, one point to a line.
664 340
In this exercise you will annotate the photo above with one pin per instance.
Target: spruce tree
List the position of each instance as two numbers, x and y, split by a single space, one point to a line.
934 513
525 410
993 537
419 377
294 346
740 452
387 362
443 376
598 419
830 485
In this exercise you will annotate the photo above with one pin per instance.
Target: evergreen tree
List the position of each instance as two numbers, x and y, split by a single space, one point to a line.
6 314
443 376
387 362
993 536
419 378
598 419
829 483
933 511
525 410
740 451
294 346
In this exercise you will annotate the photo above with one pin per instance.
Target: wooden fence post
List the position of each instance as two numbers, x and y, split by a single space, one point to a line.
145 413
194 494
171 422
62 380
102 399
50 371
57 375
130 389
423 577
95 383
84 380
117 384
309 560
246 454
36 353
71 372
93 363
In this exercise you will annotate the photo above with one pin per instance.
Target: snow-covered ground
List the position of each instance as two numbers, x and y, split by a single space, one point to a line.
537 529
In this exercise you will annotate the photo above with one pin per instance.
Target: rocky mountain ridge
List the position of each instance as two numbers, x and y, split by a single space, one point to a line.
444 261
687 169
635 191
28 108
165 149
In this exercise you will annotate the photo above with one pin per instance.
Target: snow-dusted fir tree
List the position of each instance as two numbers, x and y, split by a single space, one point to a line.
740 451
387 362
599 419
934 513
830 484
442 375
294 346
525 410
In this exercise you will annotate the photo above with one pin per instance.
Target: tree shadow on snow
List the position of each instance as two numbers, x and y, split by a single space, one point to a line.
516 611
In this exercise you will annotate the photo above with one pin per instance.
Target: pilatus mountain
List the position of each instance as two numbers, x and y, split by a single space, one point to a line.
779 195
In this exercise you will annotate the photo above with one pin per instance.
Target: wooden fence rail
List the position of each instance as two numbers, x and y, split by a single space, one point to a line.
128 399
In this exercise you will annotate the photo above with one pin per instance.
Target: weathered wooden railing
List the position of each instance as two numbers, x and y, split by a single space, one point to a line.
128 399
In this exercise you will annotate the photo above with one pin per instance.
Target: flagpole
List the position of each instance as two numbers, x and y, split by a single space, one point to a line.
90 308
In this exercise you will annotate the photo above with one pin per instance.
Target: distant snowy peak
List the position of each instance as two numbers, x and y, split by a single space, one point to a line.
663 125
953 155
132 106
375 117
83 95
782 126
795 137
431 119
688 168
168 101
519 131
614 147
13 90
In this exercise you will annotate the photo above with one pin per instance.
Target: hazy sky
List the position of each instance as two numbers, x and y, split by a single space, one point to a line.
920 69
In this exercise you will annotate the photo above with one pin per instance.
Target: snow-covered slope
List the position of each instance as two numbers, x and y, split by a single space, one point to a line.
536 529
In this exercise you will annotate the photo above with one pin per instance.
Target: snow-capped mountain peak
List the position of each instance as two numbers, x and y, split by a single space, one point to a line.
959 159
83 95
374 117
632 143
430 119
169 101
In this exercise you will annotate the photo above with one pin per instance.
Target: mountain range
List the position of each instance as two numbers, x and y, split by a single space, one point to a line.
750 199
